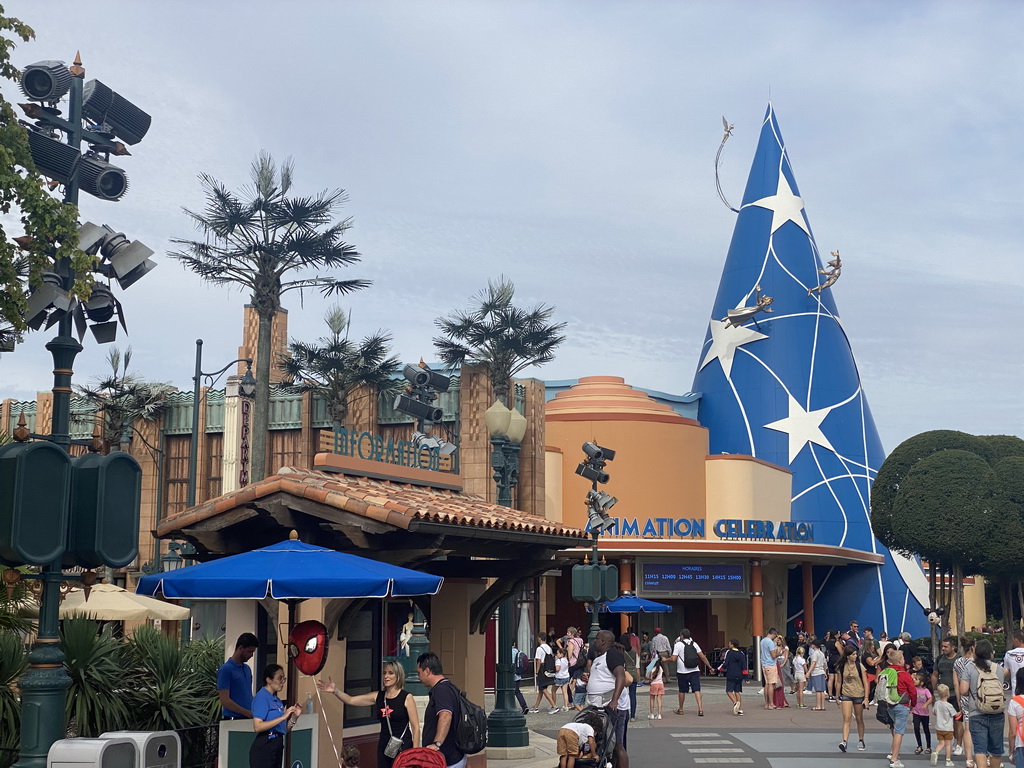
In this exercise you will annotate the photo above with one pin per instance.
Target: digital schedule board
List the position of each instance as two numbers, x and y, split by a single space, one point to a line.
666 579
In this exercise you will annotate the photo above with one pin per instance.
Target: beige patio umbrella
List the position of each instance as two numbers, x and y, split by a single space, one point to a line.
108 602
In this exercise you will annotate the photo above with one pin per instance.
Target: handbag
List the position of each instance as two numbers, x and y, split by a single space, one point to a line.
395 743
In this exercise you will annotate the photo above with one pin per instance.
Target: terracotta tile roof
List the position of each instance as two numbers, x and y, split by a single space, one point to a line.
396 504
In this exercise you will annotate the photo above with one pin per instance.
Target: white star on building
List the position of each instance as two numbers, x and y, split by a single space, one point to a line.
725 338
784 205
802 427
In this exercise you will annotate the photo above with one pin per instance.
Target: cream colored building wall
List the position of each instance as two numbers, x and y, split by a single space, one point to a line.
553 483
740 487
974 605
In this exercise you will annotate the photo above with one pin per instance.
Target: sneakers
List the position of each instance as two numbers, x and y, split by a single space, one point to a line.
525 710
651 716
735 707
658 716
934 758
566 709
534 710
896 764
958 750
949 764
842 746
861 747
554 711
739 712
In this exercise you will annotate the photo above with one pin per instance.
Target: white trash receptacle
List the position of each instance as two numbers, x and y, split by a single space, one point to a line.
93 753
157 749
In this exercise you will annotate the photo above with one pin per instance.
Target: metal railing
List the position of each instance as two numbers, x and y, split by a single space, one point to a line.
199 746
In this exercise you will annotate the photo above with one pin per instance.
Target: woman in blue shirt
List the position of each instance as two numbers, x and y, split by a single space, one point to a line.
271 720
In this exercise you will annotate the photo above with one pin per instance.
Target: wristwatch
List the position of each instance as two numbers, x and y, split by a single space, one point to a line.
437 744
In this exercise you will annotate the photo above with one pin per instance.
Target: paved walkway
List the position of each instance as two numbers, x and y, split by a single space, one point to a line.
788 738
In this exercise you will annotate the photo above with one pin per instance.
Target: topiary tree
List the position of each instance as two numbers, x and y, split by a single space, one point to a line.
938 496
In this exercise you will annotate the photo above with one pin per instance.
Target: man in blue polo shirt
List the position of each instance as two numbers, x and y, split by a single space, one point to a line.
234 679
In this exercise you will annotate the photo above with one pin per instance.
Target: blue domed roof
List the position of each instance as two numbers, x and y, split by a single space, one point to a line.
779 382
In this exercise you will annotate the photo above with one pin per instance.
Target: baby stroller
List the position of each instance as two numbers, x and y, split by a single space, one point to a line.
605 738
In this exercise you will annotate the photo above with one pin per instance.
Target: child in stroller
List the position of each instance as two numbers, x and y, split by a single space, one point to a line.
607 753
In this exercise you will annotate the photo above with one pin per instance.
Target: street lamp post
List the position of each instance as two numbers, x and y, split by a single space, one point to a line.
506 725
247 388
43 687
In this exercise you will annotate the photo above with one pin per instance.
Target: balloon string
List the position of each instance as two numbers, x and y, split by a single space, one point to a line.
330 734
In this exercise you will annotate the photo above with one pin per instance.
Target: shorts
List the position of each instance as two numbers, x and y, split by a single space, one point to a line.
579 697
568 742
900 713
987 733
771 675
560 681
621 721
853 699
817 683
657 689
800 677
542 686
734 685
944 735
689 682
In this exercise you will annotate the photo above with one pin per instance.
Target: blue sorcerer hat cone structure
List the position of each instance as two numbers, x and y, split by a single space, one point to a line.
778 382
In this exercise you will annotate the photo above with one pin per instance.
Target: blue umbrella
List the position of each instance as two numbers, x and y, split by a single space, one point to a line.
634 604
290 570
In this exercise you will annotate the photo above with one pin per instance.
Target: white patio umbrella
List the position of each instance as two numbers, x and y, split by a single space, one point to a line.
108 602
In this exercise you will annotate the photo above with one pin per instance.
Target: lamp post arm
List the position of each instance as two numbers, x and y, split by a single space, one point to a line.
193 457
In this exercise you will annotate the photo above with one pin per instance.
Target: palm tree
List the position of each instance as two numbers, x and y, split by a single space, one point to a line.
124 398
498 336
254 240
336 366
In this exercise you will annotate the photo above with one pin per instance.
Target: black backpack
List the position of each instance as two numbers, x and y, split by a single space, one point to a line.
471 731
548 666
523 666
690 658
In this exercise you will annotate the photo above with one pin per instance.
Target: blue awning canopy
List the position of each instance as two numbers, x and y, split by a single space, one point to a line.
634 604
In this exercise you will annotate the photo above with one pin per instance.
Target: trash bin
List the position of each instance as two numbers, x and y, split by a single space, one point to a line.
93 753
157 749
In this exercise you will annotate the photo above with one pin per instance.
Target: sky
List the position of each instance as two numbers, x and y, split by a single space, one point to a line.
571 147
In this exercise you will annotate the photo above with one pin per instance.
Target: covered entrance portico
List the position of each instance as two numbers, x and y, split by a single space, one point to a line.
484 551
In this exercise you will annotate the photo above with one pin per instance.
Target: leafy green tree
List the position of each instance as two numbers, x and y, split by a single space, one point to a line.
498 336
49 227
124 398
947 497
255 240
336 366
1001 560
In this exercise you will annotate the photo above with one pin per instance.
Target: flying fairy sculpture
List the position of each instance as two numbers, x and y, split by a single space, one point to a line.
831 274
740 315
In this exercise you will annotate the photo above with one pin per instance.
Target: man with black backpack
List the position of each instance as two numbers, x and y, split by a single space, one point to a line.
544 667
442 713
687 655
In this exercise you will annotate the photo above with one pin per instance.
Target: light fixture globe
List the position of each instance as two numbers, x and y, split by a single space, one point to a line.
45 80
497 419
516 426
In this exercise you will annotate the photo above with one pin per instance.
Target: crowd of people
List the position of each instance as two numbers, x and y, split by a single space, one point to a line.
958 697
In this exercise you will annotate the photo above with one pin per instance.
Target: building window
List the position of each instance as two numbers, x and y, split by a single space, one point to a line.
285 448
176 450
214 466
362 661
